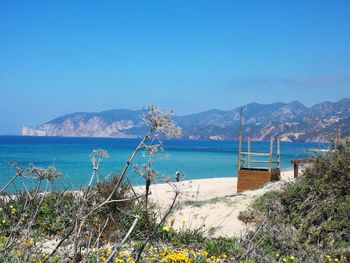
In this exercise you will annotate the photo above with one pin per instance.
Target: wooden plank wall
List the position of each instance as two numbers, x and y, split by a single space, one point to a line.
249 179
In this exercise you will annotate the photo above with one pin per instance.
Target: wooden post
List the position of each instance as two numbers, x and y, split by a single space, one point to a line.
271 148
239 152
240 139
279 152
249 152
296 168
301 161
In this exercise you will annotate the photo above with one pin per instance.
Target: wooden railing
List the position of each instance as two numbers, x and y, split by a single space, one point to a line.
245 159
301 161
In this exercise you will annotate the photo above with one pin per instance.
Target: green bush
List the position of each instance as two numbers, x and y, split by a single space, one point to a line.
55 212
189 237
310 218
52 213
218 246
261 202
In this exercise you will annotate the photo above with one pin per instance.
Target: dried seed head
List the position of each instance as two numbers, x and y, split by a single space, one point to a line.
96 155
161 122
99 153
50 173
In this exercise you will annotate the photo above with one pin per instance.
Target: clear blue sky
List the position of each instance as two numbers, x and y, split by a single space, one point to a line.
58 57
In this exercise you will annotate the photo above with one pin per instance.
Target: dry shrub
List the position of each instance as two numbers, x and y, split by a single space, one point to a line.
119 214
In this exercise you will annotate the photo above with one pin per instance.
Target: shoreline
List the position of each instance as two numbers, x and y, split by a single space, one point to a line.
165 139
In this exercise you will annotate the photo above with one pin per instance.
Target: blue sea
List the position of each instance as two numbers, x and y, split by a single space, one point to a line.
194 159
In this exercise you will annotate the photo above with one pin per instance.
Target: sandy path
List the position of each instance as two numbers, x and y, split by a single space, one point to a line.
209 203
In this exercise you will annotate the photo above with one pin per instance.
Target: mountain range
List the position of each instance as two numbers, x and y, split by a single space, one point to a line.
291 121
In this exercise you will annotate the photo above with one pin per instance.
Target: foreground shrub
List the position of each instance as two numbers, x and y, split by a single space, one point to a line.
309 219
220 246
119 214
47 214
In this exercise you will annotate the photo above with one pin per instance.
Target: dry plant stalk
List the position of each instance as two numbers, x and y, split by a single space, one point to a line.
72 243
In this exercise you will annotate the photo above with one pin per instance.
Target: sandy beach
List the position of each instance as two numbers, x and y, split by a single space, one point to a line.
212 204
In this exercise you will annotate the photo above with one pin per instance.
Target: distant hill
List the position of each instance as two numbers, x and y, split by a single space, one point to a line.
291 121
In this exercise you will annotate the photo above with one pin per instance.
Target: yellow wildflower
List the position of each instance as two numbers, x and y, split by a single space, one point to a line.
107 247
166 228
3 221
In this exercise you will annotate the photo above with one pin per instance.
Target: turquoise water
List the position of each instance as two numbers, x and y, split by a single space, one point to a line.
194 159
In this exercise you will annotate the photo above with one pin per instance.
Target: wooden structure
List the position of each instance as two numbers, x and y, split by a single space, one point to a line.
301 161
257 168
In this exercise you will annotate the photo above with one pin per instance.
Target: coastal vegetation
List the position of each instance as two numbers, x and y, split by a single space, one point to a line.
306 220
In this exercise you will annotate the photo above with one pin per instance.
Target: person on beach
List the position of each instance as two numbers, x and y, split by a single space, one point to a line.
177 176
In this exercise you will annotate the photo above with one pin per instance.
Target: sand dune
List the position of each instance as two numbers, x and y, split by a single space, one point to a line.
209 203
